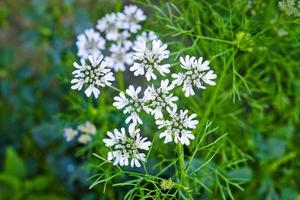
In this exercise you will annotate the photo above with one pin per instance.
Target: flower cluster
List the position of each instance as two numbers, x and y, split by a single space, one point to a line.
85 132
126 147
111 42
290 7
197 73
90 43
161 104
147 56
178 127
116 32
132 105
94 73
154 101
160 98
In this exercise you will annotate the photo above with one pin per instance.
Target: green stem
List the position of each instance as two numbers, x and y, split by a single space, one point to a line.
182 172
120 80
181 161
215 39
114 88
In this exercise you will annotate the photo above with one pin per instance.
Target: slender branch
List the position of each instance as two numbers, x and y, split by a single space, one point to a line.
215 39
114 88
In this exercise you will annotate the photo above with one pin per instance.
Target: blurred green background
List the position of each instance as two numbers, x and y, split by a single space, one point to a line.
37 48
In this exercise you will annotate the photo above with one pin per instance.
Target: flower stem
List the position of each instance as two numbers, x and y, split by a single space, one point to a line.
215 39
182 172
114 88
121 80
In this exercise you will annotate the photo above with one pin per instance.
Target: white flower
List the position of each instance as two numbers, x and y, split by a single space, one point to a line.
123 39
147 59
132 105
110 24
130 17
290 7
159 98
126 148
90 43
84 138
87 127
69 134
94 73
282 32
113 138
147 36
197 73
119 57
178 127
88 130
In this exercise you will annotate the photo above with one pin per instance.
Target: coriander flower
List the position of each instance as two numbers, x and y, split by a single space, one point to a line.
197 73
130 17
90 43
94 73
159 98
147 36
123 39
87 127
110 24
119 57
148 59
290 7
69 134
84 138
178 127
126 148
132 105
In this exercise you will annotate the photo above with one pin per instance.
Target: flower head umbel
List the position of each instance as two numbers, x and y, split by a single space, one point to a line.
178 127
90 43
147 36
197 73
290 7
119 57
126 148
131 16
92 72
148 59
159 98
70 133
110 25
132 105
84 138
85 131
124 39
87 127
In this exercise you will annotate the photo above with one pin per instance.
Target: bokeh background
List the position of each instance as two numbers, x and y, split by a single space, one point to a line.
37 49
